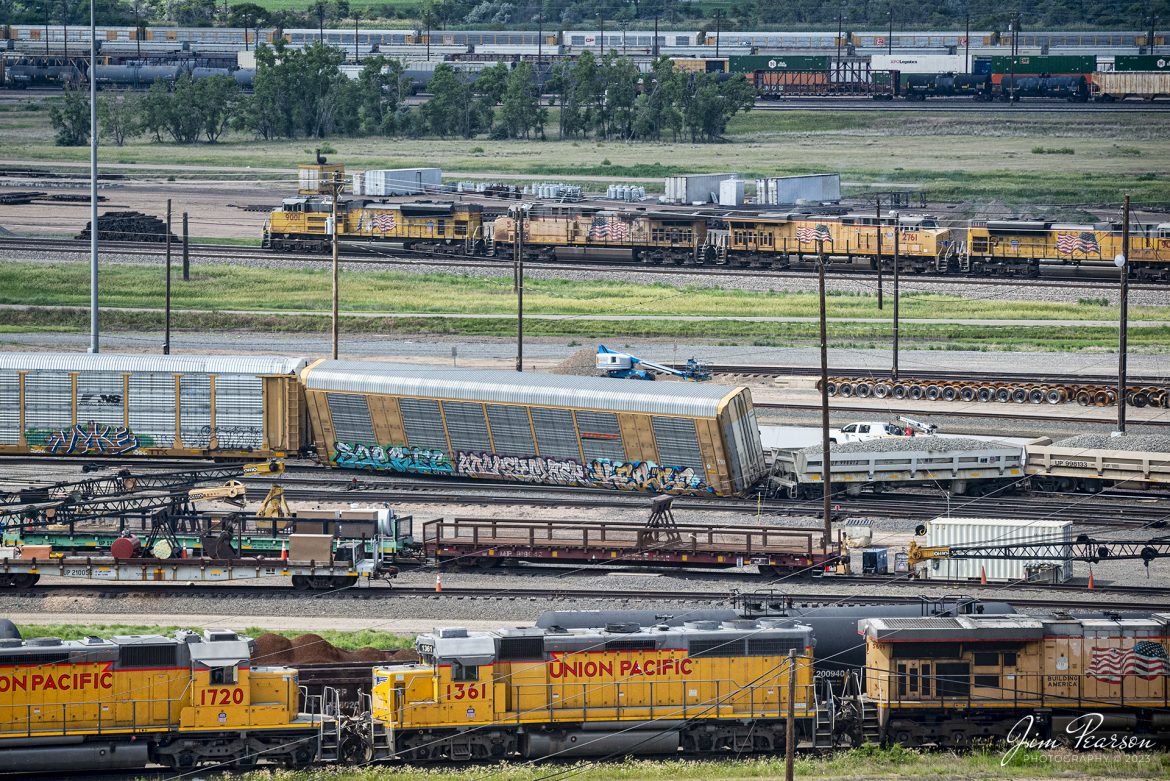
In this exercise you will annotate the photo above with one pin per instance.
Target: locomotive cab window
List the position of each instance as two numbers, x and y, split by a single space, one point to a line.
223 676
464 672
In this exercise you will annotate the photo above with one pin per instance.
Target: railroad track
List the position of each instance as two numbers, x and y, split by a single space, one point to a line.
991 410
1140 599
399 257
918 374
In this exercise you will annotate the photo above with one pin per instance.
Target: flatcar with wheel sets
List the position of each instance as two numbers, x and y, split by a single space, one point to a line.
127 702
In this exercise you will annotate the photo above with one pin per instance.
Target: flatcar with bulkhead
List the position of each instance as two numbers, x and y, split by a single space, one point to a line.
534 428
74 404
130 701
702 687
952 681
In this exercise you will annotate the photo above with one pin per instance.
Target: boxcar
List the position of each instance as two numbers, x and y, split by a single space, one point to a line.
535 428
72 404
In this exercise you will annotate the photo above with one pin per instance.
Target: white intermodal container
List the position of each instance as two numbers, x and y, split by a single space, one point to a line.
950 532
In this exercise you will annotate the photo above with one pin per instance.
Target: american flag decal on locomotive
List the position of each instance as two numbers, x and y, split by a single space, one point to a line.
383 221
1146 659
609 229
1085 241
810 235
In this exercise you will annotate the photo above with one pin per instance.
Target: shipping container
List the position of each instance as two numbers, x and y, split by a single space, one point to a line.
1039 65
778 62
1130 84
695 188
731 192
948 532
1141 62
919 63
789 190
398 181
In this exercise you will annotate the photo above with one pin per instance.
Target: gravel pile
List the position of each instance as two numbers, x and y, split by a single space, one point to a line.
1156 443
931 444
314 649
582 363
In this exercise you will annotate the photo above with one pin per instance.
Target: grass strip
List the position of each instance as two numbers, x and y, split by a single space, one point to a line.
1154 339
223 287
349 641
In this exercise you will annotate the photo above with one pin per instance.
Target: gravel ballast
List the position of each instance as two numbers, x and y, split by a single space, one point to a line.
910 444
1155 443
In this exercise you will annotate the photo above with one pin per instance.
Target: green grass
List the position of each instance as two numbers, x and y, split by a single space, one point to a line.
867 763
366 638
221 287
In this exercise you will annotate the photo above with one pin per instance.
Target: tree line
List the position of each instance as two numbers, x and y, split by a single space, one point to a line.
588 14
302 93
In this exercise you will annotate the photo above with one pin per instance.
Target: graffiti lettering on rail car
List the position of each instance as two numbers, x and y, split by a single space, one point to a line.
419 460
91 438
622 475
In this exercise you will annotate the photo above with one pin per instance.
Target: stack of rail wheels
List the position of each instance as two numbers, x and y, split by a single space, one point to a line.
1087 394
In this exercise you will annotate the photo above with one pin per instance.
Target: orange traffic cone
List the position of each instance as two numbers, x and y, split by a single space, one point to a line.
982 575
283 551
438 583
1091 584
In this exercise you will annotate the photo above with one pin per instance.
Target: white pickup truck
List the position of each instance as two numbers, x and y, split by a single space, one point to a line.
865 431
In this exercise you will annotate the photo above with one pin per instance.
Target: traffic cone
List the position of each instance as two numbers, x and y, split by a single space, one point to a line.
1091 584
438 583
283 551
982 575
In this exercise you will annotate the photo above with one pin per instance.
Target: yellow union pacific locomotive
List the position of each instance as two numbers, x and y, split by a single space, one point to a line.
1021 247
130 701
703 686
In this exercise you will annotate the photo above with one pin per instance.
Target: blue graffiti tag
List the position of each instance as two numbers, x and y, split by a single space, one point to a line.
395 458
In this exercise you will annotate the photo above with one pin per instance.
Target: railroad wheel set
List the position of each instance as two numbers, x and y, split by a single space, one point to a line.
1087 395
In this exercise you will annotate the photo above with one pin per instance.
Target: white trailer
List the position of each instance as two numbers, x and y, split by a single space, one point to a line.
974 532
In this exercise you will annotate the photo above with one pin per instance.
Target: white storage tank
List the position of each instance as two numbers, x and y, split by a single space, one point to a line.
995 531
401 181
731 192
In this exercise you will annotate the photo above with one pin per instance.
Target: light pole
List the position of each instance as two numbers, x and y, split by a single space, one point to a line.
357 15
1122 262
897 223
826 467
890 39
878 220
93 200
718 26
336 188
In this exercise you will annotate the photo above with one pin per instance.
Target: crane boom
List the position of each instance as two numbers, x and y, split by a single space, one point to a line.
1083 548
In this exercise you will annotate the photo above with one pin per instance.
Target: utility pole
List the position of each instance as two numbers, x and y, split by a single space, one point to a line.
718 25
48 15
840 32
826 467
790 722
878 219
167 316
93 215
967 40
138 30
655 44
336 194
601 37
321 25
518 271
186 251
539 46
1014 27
1153 23
357 57
890 39
897 239
1122 262
65 29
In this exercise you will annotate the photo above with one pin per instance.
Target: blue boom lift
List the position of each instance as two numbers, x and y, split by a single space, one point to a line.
630 367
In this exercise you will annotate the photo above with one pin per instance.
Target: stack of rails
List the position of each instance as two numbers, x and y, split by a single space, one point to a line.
1097 394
